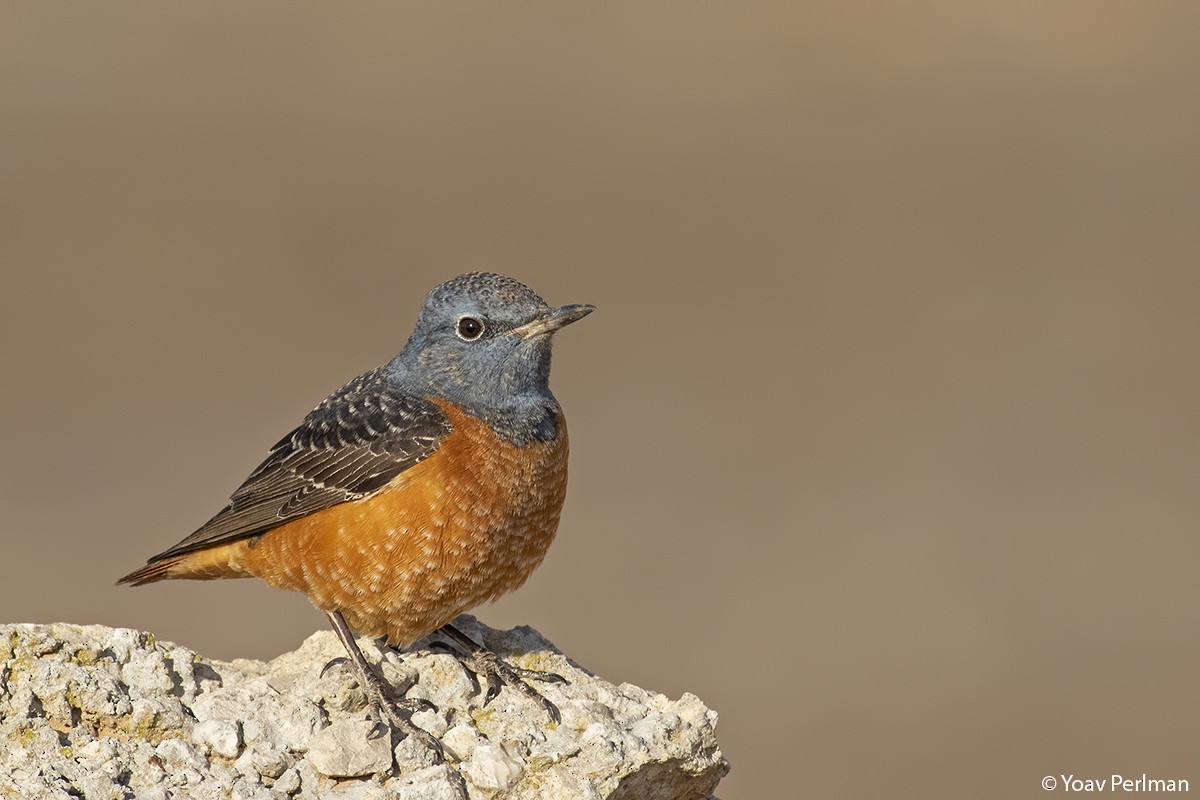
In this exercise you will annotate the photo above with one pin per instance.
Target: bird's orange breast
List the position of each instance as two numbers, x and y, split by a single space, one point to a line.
464 526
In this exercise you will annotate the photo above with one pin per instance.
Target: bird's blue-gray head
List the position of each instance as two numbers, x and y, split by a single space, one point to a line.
482 341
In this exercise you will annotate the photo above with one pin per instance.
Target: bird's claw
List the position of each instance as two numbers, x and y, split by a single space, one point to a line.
480 661
340 661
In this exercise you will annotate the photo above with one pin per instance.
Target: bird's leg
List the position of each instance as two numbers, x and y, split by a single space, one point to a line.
480 660
386 710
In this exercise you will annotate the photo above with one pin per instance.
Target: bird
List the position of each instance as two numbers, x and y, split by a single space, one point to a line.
417 491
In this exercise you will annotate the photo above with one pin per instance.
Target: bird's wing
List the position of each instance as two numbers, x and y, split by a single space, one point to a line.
350 446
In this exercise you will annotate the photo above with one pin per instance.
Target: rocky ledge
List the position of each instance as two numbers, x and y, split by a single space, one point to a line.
100 713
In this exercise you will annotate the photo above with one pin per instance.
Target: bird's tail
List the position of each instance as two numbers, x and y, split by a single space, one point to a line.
198 565
154 571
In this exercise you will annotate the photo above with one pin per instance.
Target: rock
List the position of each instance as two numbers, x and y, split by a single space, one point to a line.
221 737
96 712
346 750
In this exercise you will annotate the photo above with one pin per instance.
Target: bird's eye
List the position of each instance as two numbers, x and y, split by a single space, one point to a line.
469 329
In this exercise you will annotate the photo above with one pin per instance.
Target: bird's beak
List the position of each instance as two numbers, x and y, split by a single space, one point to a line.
552 320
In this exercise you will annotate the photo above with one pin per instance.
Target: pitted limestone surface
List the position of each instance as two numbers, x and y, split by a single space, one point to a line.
112 713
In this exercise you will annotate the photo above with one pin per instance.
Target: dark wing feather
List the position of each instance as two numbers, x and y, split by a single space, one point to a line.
351 445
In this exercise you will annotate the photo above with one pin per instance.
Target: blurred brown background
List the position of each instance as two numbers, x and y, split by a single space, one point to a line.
885 436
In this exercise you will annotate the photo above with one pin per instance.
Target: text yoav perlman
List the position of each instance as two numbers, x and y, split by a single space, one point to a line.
1119 783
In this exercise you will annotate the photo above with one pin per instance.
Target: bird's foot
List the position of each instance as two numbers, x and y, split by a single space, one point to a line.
480 661
397 714
388 713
